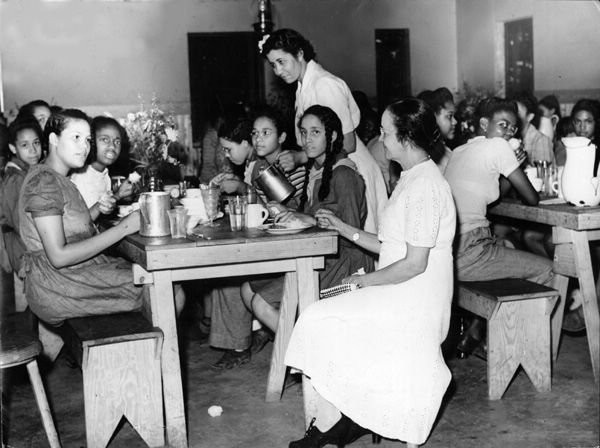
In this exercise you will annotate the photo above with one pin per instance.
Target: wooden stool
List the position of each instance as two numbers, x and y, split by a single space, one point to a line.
18 345
119 356
518 331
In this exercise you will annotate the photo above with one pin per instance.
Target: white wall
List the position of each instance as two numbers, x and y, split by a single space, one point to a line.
566 43
101 53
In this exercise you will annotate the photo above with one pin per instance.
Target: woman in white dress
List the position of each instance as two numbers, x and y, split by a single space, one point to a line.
373 355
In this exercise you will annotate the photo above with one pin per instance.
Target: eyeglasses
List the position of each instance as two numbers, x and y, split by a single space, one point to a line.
262 133
105 140
506 126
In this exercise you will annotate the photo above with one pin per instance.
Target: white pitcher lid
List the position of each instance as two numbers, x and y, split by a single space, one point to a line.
575 142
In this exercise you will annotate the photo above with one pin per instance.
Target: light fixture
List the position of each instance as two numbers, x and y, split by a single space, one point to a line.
264 25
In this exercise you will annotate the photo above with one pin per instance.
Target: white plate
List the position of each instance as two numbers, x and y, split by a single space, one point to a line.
283 231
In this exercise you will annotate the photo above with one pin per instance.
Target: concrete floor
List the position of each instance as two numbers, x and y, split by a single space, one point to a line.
565 417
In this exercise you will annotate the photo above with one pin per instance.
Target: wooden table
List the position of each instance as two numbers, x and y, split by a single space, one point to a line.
158 262
572 230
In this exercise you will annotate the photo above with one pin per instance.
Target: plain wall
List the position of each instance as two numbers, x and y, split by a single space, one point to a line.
105 53
566 44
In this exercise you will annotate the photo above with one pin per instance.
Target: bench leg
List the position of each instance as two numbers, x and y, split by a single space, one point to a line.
287 315
42 402
561 284
519 334
123 380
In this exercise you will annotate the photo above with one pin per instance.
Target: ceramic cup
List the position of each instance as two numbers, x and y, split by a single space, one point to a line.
256 214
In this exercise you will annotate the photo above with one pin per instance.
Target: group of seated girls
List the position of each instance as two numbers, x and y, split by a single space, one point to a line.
52 192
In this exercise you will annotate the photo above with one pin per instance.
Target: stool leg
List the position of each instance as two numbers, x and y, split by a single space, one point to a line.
42 402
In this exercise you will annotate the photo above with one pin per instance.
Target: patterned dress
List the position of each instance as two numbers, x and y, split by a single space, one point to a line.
100 285
375 353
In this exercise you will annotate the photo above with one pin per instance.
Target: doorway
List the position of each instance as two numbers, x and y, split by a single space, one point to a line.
518 54
225 69
392 66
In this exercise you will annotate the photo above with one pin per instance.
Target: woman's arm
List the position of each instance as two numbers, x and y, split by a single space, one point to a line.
327 220
519 180
62 254
350 142
410 266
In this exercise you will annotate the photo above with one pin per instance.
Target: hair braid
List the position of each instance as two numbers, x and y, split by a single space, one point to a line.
304 196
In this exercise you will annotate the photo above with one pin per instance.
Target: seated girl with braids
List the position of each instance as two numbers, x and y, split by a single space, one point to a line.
332 183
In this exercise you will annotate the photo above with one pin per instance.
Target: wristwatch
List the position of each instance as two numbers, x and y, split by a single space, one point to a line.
355 236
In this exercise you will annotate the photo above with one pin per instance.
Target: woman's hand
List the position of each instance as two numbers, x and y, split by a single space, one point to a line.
289 160
289 216
275 208
326 219
125 190
107 203
131 223
358 280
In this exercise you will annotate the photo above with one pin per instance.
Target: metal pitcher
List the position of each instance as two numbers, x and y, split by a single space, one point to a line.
274 184
154 220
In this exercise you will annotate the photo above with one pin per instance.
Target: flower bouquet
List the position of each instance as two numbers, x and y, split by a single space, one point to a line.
151 132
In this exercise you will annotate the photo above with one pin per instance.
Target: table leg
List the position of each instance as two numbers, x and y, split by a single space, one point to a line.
308 292
287 316
163 316
587 285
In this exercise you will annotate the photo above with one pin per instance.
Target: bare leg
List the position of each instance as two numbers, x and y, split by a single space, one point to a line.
261 309
315 406
179 299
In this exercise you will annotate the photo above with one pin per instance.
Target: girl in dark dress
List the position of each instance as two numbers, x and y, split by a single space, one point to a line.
66 274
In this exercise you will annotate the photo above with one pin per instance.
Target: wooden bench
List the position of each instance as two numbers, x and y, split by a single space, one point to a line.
119 355
518 329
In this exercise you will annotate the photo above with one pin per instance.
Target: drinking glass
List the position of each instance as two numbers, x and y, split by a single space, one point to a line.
210 197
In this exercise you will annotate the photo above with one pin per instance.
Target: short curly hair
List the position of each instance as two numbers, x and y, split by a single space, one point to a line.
290 41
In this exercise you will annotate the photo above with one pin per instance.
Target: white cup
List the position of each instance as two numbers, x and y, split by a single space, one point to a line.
256 214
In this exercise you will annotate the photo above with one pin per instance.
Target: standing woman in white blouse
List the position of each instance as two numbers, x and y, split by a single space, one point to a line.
292 58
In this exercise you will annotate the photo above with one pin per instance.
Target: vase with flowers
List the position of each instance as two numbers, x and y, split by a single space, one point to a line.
151 132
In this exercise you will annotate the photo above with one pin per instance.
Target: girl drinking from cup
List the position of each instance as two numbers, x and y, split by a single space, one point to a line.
474 174
66 274
93 180
25 144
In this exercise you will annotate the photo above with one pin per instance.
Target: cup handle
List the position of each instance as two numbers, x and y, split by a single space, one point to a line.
555 186
264 214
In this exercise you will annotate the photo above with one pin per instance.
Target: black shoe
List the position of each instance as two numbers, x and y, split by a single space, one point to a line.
574 321
314 438
260 338
467 345
232 359
354 432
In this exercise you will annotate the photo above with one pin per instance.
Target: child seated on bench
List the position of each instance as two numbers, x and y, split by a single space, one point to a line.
474 174
66 274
